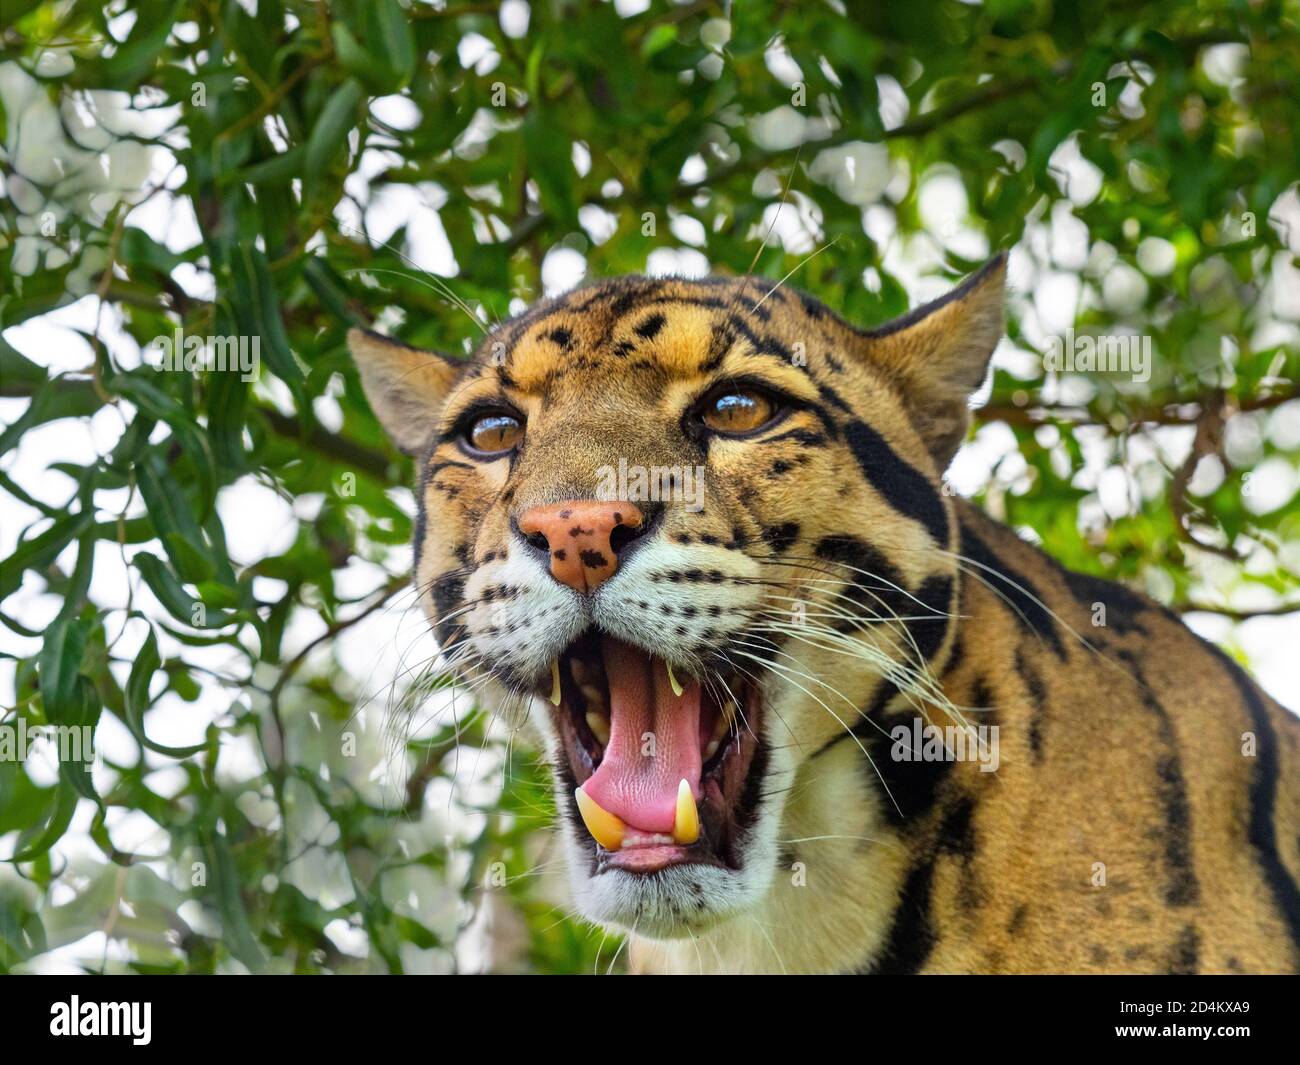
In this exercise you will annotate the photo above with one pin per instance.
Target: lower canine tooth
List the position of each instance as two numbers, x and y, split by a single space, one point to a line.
686 826
606 828
599 725
711 749
555 682
672 679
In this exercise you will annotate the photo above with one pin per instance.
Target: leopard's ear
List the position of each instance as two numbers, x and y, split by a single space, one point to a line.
938 354
405 386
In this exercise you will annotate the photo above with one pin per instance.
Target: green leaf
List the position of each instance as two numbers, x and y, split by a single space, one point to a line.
54 828
58 399
257 308
278 169
658 39
40 551
137 56
237 933
177 526
392 39
171 593
550 161
147 662
355 59
59 667
329 135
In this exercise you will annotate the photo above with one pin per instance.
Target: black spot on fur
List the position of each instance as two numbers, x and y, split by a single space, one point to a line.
1123 606
913 786
804 436
833 398
1037 693
811 307
955 657
911 939
873 584
761 344
982 701
649 327
1182 887
447 592
1263 793
780 538
957 835
934 597
904 487
1185 957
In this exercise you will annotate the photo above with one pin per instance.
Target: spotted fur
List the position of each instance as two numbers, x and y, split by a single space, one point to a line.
1143 815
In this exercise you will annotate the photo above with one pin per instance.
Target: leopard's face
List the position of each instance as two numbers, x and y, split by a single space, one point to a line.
692 535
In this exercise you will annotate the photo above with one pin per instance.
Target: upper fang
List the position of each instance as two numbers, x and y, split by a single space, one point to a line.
672 679
555 682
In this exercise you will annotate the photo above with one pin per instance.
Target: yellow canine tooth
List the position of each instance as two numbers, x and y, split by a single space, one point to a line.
686 827
672 679
606 828
555 682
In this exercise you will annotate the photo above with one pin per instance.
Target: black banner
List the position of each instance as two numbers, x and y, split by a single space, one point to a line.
338 1014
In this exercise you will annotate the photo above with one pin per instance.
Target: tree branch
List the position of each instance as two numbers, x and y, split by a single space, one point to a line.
1208 441
1239 615
1168 413
331 445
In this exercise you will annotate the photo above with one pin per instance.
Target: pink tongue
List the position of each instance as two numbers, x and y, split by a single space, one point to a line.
639 776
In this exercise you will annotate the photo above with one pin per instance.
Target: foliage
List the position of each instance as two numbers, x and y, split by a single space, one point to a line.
282 169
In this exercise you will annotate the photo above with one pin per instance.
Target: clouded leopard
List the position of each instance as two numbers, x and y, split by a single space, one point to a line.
805 710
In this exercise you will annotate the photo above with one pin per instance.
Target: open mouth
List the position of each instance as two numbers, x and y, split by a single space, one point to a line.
662 760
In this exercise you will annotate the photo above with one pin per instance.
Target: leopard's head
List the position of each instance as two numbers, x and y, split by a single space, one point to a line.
694 531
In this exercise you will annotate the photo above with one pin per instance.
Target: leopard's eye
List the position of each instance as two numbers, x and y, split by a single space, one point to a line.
737 411
495 434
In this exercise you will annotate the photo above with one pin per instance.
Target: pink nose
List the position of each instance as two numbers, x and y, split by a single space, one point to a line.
580 535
